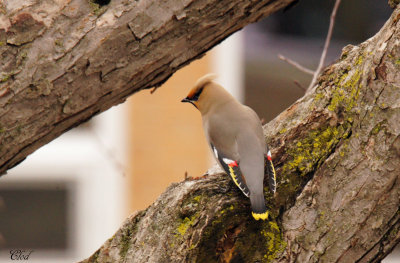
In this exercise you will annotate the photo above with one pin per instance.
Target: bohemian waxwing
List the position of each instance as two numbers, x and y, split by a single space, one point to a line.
235 135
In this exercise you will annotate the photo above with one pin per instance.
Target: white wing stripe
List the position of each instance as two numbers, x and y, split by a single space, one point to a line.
215 152
228 161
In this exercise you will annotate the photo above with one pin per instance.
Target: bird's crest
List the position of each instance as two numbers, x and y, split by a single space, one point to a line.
201 82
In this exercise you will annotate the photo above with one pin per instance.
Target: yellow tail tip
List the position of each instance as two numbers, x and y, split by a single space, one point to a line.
263 216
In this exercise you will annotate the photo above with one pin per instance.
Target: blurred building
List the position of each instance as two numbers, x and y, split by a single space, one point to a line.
71 195
68 197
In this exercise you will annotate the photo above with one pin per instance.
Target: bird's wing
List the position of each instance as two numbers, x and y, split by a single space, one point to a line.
269 171
232 168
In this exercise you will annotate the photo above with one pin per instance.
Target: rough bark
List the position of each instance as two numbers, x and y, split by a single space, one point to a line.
337 154
64 61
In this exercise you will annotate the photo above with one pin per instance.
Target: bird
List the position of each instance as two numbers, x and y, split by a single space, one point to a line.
235 135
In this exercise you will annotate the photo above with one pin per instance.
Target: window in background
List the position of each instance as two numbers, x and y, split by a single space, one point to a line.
34 216
67 198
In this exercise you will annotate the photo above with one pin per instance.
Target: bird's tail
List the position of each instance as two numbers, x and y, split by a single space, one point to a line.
258 206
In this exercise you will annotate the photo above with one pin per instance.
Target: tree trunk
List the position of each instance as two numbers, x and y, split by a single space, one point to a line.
337 156
64 61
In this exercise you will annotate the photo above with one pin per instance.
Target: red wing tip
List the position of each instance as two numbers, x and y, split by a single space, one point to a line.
233 164
269 156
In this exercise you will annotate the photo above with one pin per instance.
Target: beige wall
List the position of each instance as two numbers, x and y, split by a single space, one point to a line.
166 137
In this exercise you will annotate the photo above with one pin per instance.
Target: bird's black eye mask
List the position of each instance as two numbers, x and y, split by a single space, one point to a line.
193 98
197 95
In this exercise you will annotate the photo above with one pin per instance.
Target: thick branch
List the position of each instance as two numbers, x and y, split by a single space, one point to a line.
65 61
337 154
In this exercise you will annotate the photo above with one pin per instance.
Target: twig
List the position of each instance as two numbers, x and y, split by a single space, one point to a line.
299 85
326 46
108 153
296 65
153 90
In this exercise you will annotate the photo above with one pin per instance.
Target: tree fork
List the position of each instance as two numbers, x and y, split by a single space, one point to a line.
337 154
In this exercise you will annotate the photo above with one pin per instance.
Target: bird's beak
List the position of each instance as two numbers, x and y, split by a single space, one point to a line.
190 101
186 100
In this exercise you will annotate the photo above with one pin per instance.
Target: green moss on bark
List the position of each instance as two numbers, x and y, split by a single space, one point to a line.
185 224
337 101
125 243
244 247
128 233
274 240
309 152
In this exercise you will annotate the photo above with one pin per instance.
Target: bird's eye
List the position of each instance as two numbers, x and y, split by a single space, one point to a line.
197 94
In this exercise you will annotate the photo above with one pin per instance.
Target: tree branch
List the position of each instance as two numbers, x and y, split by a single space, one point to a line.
296 65
61 67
